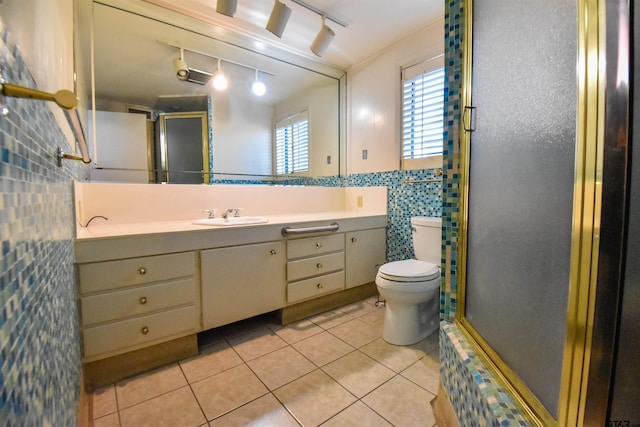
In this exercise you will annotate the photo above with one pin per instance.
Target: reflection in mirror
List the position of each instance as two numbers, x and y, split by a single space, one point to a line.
140 79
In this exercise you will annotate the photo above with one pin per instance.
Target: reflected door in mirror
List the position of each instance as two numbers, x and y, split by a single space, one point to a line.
182 148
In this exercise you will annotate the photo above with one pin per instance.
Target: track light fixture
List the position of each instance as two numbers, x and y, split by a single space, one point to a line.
182 70
323 39
227 7
278 18
219 79
258 88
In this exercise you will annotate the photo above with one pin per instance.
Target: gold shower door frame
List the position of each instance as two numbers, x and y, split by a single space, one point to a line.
585 225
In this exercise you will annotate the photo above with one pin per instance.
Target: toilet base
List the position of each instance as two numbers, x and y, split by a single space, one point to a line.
406 324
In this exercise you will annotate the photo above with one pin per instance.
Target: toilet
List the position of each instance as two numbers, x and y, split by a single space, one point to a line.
411 288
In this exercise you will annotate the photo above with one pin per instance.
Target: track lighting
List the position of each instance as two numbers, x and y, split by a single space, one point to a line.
227 7
278 18
323 39
219 79
258 88
182 70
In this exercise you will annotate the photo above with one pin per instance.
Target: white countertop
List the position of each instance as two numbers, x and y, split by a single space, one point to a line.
101 228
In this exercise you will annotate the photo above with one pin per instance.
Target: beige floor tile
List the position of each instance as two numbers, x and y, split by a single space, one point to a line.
357 415
263 412
227 391
358 309
173 409
256 343
323 348
402 403
358 373
149 385
104 401
395 357
297 331
330 319
213 359
280 367
429 344
314 398
356 333
111 420
374 319
425 372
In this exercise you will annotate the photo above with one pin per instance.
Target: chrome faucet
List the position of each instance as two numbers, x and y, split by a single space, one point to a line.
234 211
211 212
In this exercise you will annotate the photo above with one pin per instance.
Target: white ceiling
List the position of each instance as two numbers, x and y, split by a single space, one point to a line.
372 25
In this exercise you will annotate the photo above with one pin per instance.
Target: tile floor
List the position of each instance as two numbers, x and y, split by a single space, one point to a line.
333 369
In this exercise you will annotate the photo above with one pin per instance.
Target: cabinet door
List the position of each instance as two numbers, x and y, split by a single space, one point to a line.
242 281
365 251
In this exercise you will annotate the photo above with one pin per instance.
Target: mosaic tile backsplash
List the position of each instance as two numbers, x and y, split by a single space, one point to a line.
475 394
40 346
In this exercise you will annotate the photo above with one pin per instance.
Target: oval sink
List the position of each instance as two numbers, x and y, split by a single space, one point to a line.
239 220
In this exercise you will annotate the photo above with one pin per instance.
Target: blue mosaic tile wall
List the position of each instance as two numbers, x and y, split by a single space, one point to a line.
476 396
40 360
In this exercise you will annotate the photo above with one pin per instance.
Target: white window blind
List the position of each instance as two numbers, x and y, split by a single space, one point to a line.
422 109
292 145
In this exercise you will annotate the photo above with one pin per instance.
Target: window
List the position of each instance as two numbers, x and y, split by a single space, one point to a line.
422 110
292 145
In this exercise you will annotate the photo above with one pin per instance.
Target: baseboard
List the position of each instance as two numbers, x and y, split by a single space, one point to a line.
319 305
107 371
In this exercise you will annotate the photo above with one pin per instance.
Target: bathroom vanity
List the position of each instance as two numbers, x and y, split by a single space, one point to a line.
147 289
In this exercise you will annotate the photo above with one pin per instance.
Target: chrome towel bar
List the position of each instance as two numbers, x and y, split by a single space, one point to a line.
289 231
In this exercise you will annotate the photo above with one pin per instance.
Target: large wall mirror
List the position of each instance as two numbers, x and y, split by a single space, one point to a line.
136 89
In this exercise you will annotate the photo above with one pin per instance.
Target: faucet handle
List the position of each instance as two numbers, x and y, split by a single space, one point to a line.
236 211
211 212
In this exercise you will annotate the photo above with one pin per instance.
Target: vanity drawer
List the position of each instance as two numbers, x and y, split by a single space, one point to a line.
139 330
137 301
101 276
314 266
298 248
315 286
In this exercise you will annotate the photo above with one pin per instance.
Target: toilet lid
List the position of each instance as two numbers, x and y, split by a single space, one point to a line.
409 269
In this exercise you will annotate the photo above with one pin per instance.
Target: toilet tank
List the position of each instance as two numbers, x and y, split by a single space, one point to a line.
426 234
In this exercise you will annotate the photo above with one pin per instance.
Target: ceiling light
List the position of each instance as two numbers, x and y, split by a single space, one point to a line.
219 79
258 87
323 39
182 70
278 19
227 7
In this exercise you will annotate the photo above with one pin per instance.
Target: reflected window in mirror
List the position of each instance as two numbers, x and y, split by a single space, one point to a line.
292 145
422 114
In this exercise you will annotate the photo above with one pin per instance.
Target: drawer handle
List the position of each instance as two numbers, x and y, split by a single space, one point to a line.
273 252
319 265
142 271
319 286
318 245
144 330
142 300
353 240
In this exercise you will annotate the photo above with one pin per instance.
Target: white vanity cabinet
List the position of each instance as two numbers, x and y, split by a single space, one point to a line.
365 251
132 303
315 266
239 282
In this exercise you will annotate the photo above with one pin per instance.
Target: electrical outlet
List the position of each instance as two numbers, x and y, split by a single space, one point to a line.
364 154
359 201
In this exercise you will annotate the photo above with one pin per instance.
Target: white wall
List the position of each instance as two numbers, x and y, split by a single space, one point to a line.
44 33
374 109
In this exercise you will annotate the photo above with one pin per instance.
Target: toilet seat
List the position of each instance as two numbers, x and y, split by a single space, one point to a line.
410 270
